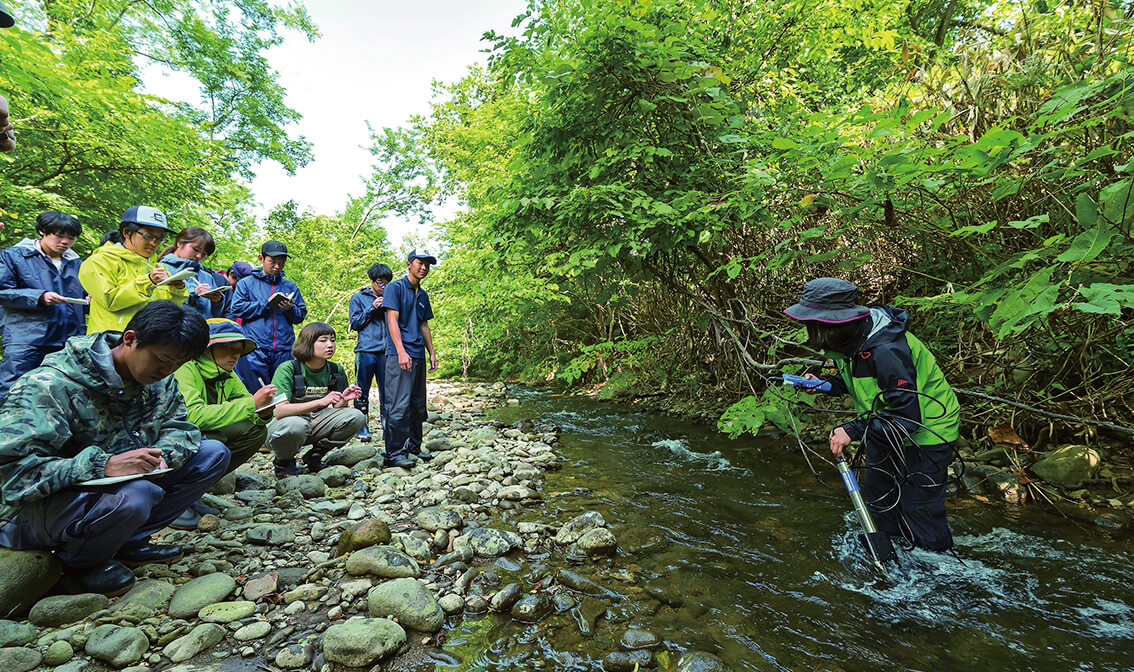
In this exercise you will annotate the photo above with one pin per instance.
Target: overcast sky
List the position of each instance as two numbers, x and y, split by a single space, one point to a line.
374 62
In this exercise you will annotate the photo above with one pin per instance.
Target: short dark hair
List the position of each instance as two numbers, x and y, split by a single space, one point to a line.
304 347
380 272
166 323
59 223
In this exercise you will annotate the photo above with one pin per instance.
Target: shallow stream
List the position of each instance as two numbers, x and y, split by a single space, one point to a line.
735 548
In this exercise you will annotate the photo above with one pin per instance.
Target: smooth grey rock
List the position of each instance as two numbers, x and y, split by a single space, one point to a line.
19 659
381 561
250 480
350 455
308 485
438 519
147 597
506 597
200 638
409 601
271 535
1069 466
532 608
489 543
361 642
599 541
295 656
308 592
226 485
451 604
628 661
261 586
439 444
580 582
334 507
227 612
255 497
26 577
699 661
418 549
254 630
578 526
516 493
475 604
483 436
335 475
16 634
636 638
58 610
200 592
116 645
563 602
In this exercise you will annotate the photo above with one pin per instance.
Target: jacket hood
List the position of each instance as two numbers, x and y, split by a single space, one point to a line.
30 248
178 264
209 369
87 360
888 324
266 277
117 250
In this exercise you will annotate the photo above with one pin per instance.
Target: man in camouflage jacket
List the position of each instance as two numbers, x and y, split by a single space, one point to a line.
105 406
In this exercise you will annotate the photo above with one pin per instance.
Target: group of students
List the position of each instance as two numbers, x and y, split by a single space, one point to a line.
107 437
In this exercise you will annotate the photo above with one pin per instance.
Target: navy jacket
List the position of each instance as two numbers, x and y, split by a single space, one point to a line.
25 274
368 321
272 329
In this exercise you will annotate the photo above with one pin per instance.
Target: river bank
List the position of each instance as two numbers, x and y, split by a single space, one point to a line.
345 569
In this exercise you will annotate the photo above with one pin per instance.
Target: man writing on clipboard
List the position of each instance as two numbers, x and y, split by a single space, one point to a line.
80 436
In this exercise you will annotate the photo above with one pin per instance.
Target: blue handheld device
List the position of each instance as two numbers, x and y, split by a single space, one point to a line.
817 384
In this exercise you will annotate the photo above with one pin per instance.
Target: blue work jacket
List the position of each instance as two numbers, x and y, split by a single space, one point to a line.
271 328
368 321
204 276
25 274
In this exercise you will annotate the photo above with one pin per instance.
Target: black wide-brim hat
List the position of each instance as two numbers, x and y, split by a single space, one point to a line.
829 300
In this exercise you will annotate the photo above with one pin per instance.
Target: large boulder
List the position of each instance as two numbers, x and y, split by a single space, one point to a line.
382 561
1068 466
60 610
409 601
26 577
117 646
361 642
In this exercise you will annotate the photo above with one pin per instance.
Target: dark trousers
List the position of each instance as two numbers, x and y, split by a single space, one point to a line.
905 490
405 407
243 439
260 365
370 367
87 526
19 358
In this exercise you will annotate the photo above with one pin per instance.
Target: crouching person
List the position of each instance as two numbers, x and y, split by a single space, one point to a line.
105 406
220 405
316 412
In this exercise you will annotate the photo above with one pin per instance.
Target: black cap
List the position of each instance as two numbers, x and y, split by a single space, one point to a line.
6 18
273 248
828 300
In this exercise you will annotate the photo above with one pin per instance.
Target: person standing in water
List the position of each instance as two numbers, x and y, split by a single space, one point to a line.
909 416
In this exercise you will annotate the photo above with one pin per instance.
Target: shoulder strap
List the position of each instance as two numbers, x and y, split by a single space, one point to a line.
298 384
338 378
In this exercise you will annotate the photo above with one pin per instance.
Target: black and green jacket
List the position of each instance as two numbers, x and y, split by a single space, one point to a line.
883 374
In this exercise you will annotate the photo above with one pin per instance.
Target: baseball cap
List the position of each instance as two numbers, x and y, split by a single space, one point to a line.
273 248
146 216
421 253
241 269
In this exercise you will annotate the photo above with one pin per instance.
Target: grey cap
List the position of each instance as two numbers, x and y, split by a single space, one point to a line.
422 254
147 216
829 300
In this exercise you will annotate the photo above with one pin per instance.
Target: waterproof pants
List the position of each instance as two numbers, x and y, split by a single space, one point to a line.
260 365
405 408
243 439
905 490
19 358
368 367
325 429
86 526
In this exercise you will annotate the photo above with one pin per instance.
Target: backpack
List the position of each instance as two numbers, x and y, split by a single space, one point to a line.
338 381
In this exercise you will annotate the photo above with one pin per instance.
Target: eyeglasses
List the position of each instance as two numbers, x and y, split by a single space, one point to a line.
151 238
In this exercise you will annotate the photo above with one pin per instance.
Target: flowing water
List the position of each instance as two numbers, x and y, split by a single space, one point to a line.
735 548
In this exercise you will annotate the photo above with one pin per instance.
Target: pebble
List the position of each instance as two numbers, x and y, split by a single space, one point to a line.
254 630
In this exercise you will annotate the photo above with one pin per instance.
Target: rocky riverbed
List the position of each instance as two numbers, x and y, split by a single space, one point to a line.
355 567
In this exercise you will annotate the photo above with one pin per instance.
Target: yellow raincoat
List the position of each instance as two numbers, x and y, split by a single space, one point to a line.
118 282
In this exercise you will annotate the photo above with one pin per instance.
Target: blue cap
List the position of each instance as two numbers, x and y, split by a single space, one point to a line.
422 254
224 330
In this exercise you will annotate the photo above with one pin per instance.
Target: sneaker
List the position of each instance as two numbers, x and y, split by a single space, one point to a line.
285 468
403 462
364 434
424 456
313 460
204 509
187 520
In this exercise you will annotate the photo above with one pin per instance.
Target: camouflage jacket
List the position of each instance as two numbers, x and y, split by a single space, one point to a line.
60 422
